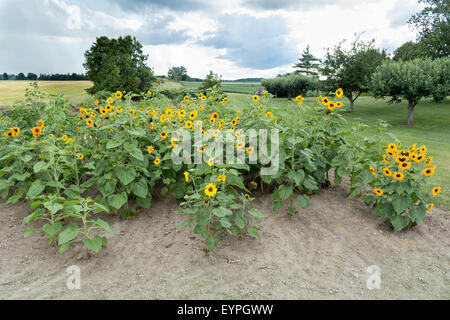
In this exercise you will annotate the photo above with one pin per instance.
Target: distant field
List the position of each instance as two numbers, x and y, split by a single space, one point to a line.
11 90
229 87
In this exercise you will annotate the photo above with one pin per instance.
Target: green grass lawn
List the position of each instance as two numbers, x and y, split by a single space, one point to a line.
11 90
431 128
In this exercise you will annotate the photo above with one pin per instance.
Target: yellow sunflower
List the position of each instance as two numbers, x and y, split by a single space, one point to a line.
211 190
163 134
436 190
429 171
339 92
157 161
378 191
150 149
398 176
221 178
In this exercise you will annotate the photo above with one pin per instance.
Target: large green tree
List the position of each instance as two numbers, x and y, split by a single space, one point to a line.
412 81
307 64
211 80
5 76
178 73
411 50
117 64
433 26
351 69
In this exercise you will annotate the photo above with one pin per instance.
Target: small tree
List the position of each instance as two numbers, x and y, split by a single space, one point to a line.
412 81
307 64
411 50
21 76
32 76
117 64
351 69
5 76
211 80
178 73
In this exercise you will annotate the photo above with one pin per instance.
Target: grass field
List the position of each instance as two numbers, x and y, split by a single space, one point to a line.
11 90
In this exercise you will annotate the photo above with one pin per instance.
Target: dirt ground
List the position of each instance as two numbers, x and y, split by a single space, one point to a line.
321 253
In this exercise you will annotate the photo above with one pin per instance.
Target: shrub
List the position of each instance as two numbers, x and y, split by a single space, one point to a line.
290 85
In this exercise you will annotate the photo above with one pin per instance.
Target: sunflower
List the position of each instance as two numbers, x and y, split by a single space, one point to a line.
189 124
247 197
212 120
401 159
390 153
269 114
404 165
240 145
423 149
15 131
65 137
157 161
40 123
378 191
387 172
96 102
436 190
372 170
163 135
89 122
8 133
325 101
182 113
173 142
80 156
193 114
384 159
233 122
253 185
110 100
430 206
319 99
210 162
420 158
249 150
330 106
398 176
338 104
221 178
186 176
36 131
181 122
149 92
108 108
118 95
211 190
103 112
150 149
392 146
339 92
429 161
215 115
429 171
201 149
255 98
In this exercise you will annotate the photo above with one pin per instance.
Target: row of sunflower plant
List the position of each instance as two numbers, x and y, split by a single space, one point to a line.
115 154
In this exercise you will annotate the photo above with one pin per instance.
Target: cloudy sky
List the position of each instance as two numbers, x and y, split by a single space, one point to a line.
235 38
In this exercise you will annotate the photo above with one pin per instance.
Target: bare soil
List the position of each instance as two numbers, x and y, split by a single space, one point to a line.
320 253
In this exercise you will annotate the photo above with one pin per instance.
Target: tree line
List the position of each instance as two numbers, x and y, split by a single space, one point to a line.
43 76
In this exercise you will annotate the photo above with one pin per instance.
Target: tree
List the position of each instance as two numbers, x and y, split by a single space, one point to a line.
20 76
307 64
32 76
411 50
5 76
178 74
211 80
412 81
290 85
351 69
433 26
117 64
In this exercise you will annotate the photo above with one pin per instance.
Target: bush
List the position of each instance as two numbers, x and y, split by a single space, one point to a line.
290 85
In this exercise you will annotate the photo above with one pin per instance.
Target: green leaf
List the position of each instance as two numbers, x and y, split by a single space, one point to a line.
310 183
125 175
297 176
106 186
13 199
224 222
211 243
94 244
284 192
303 201
384 210
145 203
140 188
241 222
137 154
69 233
29 232
40 166
114 144
222 212
400 204
64 247
418 213
103 224
35 189
52 229
256 213
399 222
118 200
253 231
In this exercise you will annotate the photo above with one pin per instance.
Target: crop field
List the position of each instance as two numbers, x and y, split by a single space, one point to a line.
228 87
11 90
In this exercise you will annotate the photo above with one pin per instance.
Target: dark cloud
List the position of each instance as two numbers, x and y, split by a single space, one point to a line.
251 42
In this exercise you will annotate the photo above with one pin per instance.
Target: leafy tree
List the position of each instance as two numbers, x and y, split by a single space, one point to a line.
307 64
411 50
5 76
178 74
211 80
351 69
290 85
433 26
21 76
412 81
117 64
32 76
